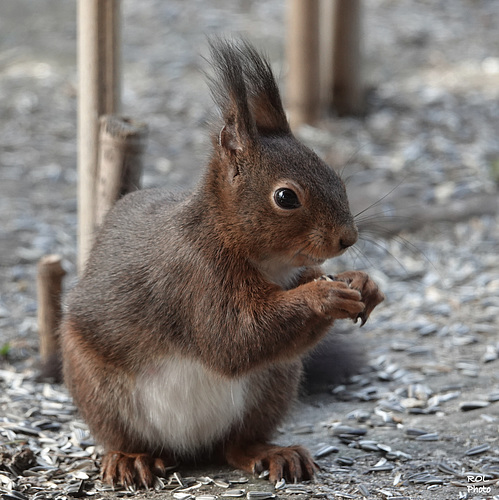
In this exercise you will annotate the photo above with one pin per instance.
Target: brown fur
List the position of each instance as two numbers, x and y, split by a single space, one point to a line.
221 276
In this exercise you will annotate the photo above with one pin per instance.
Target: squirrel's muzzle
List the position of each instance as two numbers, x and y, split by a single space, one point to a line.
348 237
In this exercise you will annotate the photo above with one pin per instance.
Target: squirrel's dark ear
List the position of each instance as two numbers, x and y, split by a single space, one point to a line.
263 93
229 91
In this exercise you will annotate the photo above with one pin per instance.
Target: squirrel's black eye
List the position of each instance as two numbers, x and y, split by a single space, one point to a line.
287 199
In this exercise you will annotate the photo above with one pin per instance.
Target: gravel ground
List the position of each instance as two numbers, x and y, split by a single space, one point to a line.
422 415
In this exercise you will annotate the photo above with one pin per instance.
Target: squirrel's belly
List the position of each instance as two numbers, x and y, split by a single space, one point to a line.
183 407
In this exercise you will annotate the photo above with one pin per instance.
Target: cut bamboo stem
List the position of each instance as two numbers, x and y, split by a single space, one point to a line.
326 44
348 87
121 144
49 288
303 90
99 94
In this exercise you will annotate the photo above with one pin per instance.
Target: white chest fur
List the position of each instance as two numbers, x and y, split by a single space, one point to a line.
184 407
279 272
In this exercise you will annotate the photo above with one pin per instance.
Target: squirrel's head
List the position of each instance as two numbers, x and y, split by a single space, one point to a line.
276 199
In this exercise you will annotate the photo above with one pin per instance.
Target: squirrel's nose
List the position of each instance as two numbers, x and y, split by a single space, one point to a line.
348 238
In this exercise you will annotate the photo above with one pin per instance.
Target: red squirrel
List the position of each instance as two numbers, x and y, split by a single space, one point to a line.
184 338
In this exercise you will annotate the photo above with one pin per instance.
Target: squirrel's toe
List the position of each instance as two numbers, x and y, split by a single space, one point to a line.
127 469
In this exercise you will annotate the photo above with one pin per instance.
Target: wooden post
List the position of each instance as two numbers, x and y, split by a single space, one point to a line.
348 87
121 143
326 44
99 93
49 289
303 91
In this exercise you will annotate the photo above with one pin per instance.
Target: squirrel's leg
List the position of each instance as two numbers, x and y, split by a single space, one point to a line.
292 463
248 448
102 392
132 468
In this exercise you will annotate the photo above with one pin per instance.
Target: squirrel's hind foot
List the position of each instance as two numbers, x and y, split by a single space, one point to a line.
128 469
292 463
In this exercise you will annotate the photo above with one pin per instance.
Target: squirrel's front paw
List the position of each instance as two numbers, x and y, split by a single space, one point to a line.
336 299
371 295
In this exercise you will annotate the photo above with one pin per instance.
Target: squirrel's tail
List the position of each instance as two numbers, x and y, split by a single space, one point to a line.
332 362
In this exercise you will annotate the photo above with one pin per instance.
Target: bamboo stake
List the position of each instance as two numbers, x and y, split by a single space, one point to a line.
110 58
303 92
121 143
49 289
348 87
99 93
326 44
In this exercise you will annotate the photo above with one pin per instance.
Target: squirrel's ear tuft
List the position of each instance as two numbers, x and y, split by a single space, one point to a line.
229 91
247 95
263 93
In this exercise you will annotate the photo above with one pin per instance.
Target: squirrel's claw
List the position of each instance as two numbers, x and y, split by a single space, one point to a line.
371 295
132 469
292 463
